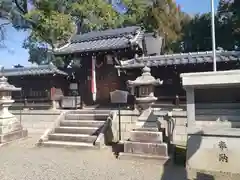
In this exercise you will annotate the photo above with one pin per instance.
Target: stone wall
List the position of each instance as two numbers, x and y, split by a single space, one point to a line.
129 118
36 121
213 154
180 130
128 121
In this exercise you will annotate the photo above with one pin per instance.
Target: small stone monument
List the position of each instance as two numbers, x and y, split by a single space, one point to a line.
213 146
146 141
10 126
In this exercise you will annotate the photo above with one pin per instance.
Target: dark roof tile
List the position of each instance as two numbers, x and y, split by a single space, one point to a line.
185 58
98 45
38 70
109 33
110 39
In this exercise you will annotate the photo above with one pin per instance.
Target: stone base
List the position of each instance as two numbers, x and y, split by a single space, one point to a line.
146 136
195 174
158 149
145 145
9 124
11 136
130 156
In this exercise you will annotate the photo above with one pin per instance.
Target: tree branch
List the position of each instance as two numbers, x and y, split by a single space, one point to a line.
4 24
20 8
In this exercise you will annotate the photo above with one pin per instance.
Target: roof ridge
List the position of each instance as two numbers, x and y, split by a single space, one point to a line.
188 54
101 38
29 67
181 58
105 34
40 69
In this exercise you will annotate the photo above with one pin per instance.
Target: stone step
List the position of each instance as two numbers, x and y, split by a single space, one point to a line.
227 124
72 137
89 111
217 105
159 149
77 130
218 111
209 117
146 136
67 144
86 117
146 129
84 123
157 159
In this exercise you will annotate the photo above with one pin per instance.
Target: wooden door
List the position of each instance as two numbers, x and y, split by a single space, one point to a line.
107 82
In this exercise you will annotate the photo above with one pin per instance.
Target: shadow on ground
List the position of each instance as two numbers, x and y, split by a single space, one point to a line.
176 169
117 148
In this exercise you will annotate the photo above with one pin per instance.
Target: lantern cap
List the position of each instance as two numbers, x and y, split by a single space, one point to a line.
5 86
145 79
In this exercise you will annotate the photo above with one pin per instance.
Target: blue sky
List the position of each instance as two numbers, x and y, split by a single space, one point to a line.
15 54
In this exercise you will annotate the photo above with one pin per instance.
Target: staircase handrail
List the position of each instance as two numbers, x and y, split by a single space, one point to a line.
101 139
50 130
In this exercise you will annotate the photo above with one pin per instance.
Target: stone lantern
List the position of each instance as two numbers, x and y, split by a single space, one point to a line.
145 87
146 137
10 126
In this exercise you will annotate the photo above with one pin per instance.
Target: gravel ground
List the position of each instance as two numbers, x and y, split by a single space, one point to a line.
21 160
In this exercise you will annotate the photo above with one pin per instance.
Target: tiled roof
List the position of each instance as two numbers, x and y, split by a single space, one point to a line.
177 59
103 40
109 33
38 70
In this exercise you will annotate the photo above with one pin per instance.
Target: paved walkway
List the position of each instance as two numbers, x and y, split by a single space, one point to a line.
21 160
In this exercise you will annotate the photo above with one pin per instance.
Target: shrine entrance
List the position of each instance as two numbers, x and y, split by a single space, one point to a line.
107 80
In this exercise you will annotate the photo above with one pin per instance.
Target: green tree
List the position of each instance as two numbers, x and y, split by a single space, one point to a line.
225 29
46 21
235 7
52 23
197 34
88 15
95 15
165 17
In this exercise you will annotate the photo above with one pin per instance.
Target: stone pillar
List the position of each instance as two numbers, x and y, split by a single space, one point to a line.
190 106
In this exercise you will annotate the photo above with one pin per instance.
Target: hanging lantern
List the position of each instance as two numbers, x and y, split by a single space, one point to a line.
109 59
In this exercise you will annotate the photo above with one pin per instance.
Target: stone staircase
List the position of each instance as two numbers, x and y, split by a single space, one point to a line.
77 129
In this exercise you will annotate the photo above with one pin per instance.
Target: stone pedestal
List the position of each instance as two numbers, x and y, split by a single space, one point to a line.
146 139
212 149
10 126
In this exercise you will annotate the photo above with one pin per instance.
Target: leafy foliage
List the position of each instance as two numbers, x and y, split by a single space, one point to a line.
235 7
165 17
52 23
95 15
197 35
